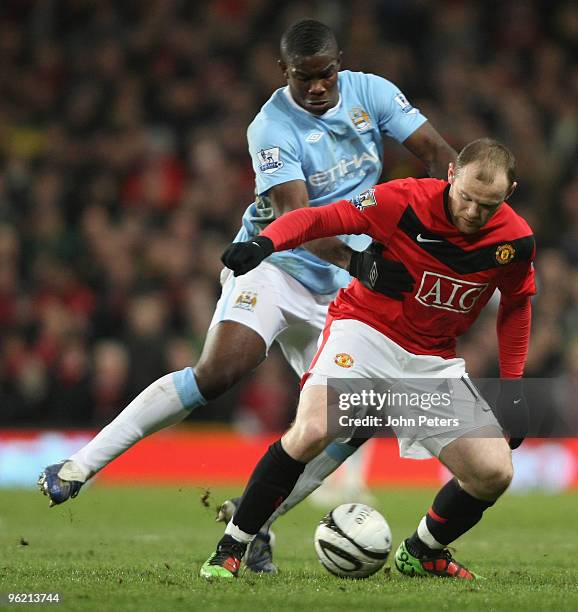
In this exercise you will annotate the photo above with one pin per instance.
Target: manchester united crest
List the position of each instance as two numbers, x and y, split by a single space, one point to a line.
505 253
343 360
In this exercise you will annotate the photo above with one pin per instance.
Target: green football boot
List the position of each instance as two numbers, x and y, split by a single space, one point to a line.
225 562
442 565
259 556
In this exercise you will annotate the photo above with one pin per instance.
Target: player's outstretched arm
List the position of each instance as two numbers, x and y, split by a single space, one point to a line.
388 277
293 195
290 231
428 145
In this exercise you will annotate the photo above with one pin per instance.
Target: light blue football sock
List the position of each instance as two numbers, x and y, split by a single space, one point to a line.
188 389
340 451
164 402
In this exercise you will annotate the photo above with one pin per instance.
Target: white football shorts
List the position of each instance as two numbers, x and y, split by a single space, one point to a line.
352 350
277 307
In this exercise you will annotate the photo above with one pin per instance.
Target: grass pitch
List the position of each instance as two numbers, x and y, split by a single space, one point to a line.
141 549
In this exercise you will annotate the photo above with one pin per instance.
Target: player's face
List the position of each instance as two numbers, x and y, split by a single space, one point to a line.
472 202
312 81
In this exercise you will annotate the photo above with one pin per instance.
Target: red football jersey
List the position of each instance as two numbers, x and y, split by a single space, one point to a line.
455 274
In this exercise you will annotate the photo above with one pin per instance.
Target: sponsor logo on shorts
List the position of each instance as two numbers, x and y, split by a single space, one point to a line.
247 300
447 293
270 160
364 200
361 119
505 253
404 104
343 360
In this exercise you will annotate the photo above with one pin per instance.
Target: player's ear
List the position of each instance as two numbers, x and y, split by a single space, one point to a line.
513 188
283 67
451 172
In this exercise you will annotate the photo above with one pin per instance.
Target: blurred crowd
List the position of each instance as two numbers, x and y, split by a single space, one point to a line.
124 172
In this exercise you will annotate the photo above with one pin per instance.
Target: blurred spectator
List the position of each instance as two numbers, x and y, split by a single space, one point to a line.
109 381
267 401
124 173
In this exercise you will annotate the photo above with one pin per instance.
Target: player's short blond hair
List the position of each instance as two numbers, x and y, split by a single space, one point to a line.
492 155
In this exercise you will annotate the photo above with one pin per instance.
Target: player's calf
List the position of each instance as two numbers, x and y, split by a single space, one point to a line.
483 467
272 480
308 435
453 512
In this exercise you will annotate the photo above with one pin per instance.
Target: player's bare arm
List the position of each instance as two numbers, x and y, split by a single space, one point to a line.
428 145
292 195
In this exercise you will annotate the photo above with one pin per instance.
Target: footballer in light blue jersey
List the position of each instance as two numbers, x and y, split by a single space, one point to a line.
337 154
315 141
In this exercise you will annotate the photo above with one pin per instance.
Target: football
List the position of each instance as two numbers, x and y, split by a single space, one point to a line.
353 541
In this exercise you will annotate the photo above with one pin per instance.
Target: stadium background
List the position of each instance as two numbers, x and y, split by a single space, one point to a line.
124 173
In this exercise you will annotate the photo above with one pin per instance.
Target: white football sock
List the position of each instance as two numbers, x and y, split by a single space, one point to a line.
72 471
156 407
426 537
238 534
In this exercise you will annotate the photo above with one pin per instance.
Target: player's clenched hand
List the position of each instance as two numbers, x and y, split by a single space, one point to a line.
385 276
244 256
512 411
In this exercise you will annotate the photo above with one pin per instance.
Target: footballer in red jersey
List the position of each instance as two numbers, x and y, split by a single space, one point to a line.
459 241
456 273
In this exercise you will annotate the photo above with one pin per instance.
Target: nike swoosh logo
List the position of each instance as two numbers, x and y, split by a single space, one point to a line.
420 239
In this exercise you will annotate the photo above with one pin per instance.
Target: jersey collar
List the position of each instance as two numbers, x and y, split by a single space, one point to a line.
326 115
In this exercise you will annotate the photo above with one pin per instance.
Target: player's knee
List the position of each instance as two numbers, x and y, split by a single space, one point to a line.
214 380
495 479
307 440
312 433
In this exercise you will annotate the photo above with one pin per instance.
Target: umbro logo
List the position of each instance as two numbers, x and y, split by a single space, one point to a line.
314 137
373 275
420 238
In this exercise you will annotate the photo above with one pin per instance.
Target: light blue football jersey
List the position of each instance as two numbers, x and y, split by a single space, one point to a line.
338 155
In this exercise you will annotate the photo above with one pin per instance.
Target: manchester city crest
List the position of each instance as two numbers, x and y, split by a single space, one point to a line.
361 119
246 300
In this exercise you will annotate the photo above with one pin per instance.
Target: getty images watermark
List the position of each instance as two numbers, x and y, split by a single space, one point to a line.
380 404
424 407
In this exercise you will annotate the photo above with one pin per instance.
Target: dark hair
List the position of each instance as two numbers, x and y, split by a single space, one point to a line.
492 156
307 37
